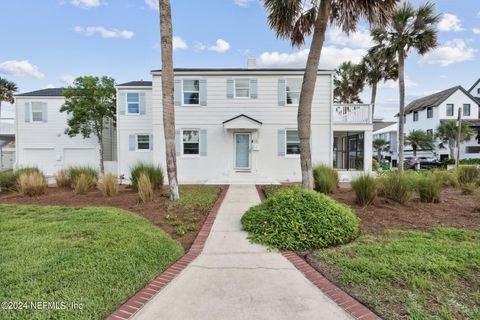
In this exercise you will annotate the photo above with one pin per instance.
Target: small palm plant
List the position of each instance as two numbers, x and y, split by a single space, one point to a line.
446 132
380 145
7 90
419 139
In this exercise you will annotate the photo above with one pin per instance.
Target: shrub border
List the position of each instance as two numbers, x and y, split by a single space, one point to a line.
352 306
141 297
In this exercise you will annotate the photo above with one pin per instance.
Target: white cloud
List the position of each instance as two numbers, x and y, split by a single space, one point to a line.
21 68
220 46
67 79
179 43
152 4
104 32
243 3
200 46
390 84
476 30
87 4
450 22
359 39
453 52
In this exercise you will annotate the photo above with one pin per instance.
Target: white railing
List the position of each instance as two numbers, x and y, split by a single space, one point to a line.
352 113
7 126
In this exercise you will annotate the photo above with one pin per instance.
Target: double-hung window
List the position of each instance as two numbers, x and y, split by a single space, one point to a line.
242 88
450 109
191 142
430 112
143 142
466 110
415 115
133 103
292 91
430 132
37 112
191 92
292 142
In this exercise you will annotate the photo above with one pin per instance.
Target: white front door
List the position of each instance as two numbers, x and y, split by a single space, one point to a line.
242 151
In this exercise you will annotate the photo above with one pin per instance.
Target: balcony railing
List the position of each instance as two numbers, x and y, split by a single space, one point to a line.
7 126
352 113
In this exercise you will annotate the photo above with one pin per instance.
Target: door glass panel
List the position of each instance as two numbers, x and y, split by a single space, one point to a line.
242 154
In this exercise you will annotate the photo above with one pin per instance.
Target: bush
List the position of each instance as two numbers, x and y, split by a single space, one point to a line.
296 218
271 189
8 181
467 174
108 184
445 178
83 184
470 161
26 170
326 179
62 179
32 184
91 175
145 188
468 188
396 186
365 188
153 172
428 187
375 165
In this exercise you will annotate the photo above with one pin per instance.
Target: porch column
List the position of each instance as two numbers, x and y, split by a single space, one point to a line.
367 150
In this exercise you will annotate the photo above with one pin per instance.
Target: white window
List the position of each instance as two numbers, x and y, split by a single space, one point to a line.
466 110
292 142
191 92
133 103
37 112
415 115
191 142
450 110
143 142
292 91
430 112
242 88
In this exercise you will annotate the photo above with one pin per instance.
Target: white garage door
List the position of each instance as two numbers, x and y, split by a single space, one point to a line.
80 157
44 159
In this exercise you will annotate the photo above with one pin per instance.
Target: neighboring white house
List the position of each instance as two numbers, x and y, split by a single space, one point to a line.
390 134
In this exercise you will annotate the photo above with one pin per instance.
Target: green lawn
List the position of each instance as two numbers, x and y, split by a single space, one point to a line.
413 275
96 257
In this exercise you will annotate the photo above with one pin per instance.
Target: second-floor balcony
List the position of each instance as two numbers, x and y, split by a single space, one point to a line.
352 113
7 126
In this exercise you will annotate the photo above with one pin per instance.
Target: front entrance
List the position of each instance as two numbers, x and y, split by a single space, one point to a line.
242 151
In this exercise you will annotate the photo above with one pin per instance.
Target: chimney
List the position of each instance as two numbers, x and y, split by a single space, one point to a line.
251 63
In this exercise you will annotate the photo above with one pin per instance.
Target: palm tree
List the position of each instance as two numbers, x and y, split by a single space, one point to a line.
419 139
410 29
348 83
167 96
378 65
381 145
7 90
297 19
447 133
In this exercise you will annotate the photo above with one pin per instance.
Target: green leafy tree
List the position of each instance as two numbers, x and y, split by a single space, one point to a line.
446 132
7 91
381 145
91 105
348 83
409 29
298 19
419 139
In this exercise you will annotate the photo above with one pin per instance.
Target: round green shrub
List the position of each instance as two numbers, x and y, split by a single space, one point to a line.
296 218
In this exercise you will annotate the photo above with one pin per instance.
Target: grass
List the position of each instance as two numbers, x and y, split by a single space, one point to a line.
425 275
195 198
97 257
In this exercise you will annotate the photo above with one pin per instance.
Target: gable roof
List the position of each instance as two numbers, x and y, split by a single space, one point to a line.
240 116
140 83
50 92
474 85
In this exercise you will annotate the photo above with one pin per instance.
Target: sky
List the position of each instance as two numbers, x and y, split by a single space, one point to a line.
47 43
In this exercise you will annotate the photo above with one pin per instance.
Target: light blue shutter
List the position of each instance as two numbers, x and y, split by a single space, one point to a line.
132 139
27 111
230 84
203 92
151 142
281 142
177 92
44 112
253 88
281 92
177 143
203 142
141 102
122 103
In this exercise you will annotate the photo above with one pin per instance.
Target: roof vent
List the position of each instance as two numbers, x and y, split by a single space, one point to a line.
251 63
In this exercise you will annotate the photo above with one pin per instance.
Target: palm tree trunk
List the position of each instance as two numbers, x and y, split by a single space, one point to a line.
167 96
451 147
306 96
414 148
401 114
373 98
379 155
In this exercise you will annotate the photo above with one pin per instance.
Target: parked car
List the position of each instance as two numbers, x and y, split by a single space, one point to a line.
421 163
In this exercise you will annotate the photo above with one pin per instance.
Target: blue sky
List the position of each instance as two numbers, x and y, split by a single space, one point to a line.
48 43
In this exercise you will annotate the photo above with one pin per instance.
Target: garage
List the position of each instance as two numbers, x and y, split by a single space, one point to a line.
80 157
44 159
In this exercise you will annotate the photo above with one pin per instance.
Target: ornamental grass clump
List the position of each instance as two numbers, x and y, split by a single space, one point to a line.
8 181
108 185
83 183
145 188
32 184
154 173
445 178
467 174
397 186
91 176
365 189
326 179
428 188
297 219
62 179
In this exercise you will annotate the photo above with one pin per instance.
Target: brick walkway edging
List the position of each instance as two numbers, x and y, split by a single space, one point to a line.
340 297
137 301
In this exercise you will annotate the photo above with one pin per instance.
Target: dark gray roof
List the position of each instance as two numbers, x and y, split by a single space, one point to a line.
237 69
50 92
434 100
476 82
140 83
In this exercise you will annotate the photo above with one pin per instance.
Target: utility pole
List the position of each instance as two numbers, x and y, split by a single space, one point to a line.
457 138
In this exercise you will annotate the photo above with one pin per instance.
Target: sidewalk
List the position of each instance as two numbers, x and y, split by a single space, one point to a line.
235 279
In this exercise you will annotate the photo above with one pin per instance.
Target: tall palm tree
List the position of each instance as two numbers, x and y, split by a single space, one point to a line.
7 90
297 19
380 145
348 83
167 96
446 132
378 65
410 29
419 139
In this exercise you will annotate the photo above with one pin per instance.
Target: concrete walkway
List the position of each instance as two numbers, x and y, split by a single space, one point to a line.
235 279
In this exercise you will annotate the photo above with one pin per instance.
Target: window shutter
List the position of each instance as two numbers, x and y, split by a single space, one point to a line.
132 139
27 111
177 92
203 142
177 143
281 142
230 88
44 112
142 104
203 92
151 142
122 103
281 92
253 88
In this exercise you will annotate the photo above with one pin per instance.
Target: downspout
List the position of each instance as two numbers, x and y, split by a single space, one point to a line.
330 138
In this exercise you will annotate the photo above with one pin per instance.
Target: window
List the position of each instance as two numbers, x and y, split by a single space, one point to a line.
405 119
242 88
143 142
37 112
293 142
430 132
450 110
133 103
191 142
478 91
191 92
292 91
466 110
415 115
430 112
